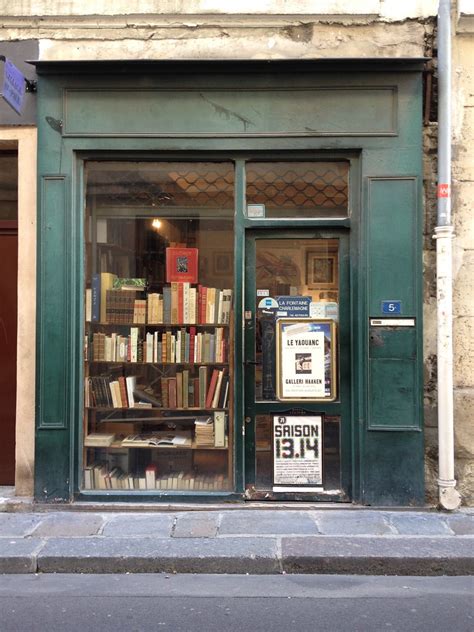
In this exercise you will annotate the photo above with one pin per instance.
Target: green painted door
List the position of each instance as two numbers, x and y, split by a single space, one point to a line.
297 365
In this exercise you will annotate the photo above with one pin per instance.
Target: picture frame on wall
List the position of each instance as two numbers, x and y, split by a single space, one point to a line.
321 271
222 263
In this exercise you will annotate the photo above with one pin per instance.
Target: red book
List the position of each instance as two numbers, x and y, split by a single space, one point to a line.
202 304
172 392
182 265
180 303
123 392
212 388
192 337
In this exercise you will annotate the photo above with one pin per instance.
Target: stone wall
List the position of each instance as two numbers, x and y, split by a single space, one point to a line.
463 292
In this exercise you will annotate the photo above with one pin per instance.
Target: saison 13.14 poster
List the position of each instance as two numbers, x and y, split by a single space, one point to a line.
297 451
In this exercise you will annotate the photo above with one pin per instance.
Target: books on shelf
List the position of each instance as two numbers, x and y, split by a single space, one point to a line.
183 346
101 476
106 392
109 302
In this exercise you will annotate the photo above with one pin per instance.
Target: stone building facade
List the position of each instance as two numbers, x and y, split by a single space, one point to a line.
292 30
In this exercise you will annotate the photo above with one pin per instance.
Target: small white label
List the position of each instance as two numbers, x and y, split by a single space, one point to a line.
268 303
263 292
392 322
255 210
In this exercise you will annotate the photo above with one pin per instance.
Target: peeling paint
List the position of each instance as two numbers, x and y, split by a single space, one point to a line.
226 113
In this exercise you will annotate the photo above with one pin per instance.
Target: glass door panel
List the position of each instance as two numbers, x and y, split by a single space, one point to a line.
297 283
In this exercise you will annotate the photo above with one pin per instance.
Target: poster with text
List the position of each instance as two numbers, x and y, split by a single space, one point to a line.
297 451
306 360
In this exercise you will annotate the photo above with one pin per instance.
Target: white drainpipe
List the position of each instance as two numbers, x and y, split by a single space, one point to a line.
449 497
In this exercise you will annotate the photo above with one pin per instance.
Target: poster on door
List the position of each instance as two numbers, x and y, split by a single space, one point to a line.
306 360
297 451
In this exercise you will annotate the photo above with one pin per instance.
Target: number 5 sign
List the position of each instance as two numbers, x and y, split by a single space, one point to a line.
391 307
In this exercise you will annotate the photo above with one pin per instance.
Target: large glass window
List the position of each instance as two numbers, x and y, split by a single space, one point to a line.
297 189
158 326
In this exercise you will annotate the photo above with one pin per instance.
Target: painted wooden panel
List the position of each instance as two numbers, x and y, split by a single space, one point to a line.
393 394
290 112
392 241
53 330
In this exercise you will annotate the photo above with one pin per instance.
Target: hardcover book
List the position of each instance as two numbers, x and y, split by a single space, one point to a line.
182 265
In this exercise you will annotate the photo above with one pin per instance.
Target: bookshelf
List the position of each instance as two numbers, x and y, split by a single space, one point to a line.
157 385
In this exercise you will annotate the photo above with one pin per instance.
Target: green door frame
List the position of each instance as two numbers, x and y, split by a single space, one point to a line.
342 405
379 131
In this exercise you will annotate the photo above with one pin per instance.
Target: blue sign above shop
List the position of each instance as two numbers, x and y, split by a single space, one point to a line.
294 306
14 86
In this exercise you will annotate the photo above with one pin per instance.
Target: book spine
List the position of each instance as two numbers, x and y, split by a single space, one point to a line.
185 389
212 387
179 390
186 290
202 386
123 392
174 303
133 344
172 392
180 318
167 304
95 315
165 392
219 429
215 398
192 306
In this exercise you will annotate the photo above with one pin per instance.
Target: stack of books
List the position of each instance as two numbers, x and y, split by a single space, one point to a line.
204 432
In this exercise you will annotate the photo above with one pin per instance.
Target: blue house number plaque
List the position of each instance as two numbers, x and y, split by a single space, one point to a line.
391 307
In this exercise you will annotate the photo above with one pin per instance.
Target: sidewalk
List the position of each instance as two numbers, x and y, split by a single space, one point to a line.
236 539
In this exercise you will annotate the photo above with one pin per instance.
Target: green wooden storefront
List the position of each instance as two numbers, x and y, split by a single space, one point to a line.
367 113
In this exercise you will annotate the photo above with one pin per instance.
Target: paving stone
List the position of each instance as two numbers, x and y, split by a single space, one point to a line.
349 522
69 524
391 555
267 522
196 525
419 524
18 555
159 555
131 524
17 525
461 524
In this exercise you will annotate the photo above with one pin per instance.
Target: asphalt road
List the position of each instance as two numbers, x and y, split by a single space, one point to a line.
211 603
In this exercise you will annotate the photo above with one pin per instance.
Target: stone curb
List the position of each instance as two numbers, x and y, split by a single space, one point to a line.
263 555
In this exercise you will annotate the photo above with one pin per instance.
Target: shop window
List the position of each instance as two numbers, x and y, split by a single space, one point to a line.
158 326
297 189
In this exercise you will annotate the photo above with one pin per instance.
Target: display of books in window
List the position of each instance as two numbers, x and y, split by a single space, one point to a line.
158 366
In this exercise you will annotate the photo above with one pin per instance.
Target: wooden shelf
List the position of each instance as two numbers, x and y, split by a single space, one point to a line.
97 324
117 445
127 362
154 409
